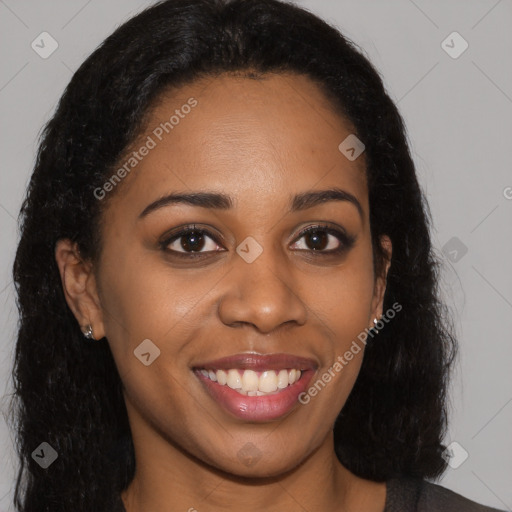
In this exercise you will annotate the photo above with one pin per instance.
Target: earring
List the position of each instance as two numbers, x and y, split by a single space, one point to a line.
373 329
88 332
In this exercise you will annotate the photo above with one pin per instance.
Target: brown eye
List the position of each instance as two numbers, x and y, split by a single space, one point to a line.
191 240
317 240
324 240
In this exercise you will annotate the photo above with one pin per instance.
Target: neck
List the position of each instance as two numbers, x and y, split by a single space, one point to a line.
319 483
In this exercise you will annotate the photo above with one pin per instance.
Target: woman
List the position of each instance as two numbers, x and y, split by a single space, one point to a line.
225 279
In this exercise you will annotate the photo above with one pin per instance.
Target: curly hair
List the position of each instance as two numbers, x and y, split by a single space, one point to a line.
69 393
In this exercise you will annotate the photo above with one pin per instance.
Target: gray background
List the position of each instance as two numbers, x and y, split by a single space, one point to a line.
459 117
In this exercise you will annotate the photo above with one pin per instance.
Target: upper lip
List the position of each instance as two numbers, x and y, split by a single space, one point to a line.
259 362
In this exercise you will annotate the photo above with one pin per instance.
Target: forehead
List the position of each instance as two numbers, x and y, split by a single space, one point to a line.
258 139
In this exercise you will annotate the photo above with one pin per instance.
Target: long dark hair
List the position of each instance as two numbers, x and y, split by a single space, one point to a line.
68 392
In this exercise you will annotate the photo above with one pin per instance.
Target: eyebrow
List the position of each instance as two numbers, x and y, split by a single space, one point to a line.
219 201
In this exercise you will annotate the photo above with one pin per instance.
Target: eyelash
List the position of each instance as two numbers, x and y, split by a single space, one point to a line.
346 241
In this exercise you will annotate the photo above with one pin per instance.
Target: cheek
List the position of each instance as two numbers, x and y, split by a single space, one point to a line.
341 302
342 299
145 299
158 393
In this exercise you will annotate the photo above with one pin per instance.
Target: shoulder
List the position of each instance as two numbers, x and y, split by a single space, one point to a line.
417 495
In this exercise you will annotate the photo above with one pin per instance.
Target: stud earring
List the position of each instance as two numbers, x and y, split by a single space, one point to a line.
88 332
373 329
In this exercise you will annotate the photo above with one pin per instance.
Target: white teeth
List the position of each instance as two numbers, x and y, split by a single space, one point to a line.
250 381
268 382
247 382
222 377
282 379
234 380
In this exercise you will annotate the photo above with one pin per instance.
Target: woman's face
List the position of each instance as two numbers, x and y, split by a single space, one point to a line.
246 282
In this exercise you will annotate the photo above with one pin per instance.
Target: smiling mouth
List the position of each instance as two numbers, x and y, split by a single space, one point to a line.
256 387
254 383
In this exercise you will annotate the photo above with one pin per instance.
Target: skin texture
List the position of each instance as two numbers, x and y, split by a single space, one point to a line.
261 142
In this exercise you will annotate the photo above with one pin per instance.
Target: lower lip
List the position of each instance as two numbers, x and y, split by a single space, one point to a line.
257 408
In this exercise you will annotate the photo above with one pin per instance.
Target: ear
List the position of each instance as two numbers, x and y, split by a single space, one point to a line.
380 280
79 285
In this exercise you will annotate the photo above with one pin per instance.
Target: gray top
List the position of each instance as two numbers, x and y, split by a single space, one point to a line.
416 495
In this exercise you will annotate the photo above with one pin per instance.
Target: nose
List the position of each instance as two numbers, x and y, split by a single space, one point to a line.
261 293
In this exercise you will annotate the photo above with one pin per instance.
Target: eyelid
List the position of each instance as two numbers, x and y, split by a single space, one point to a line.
334 230
345 240
177 233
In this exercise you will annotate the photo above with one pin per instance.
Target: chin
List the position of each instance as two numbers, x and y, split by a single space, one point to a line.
250 462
